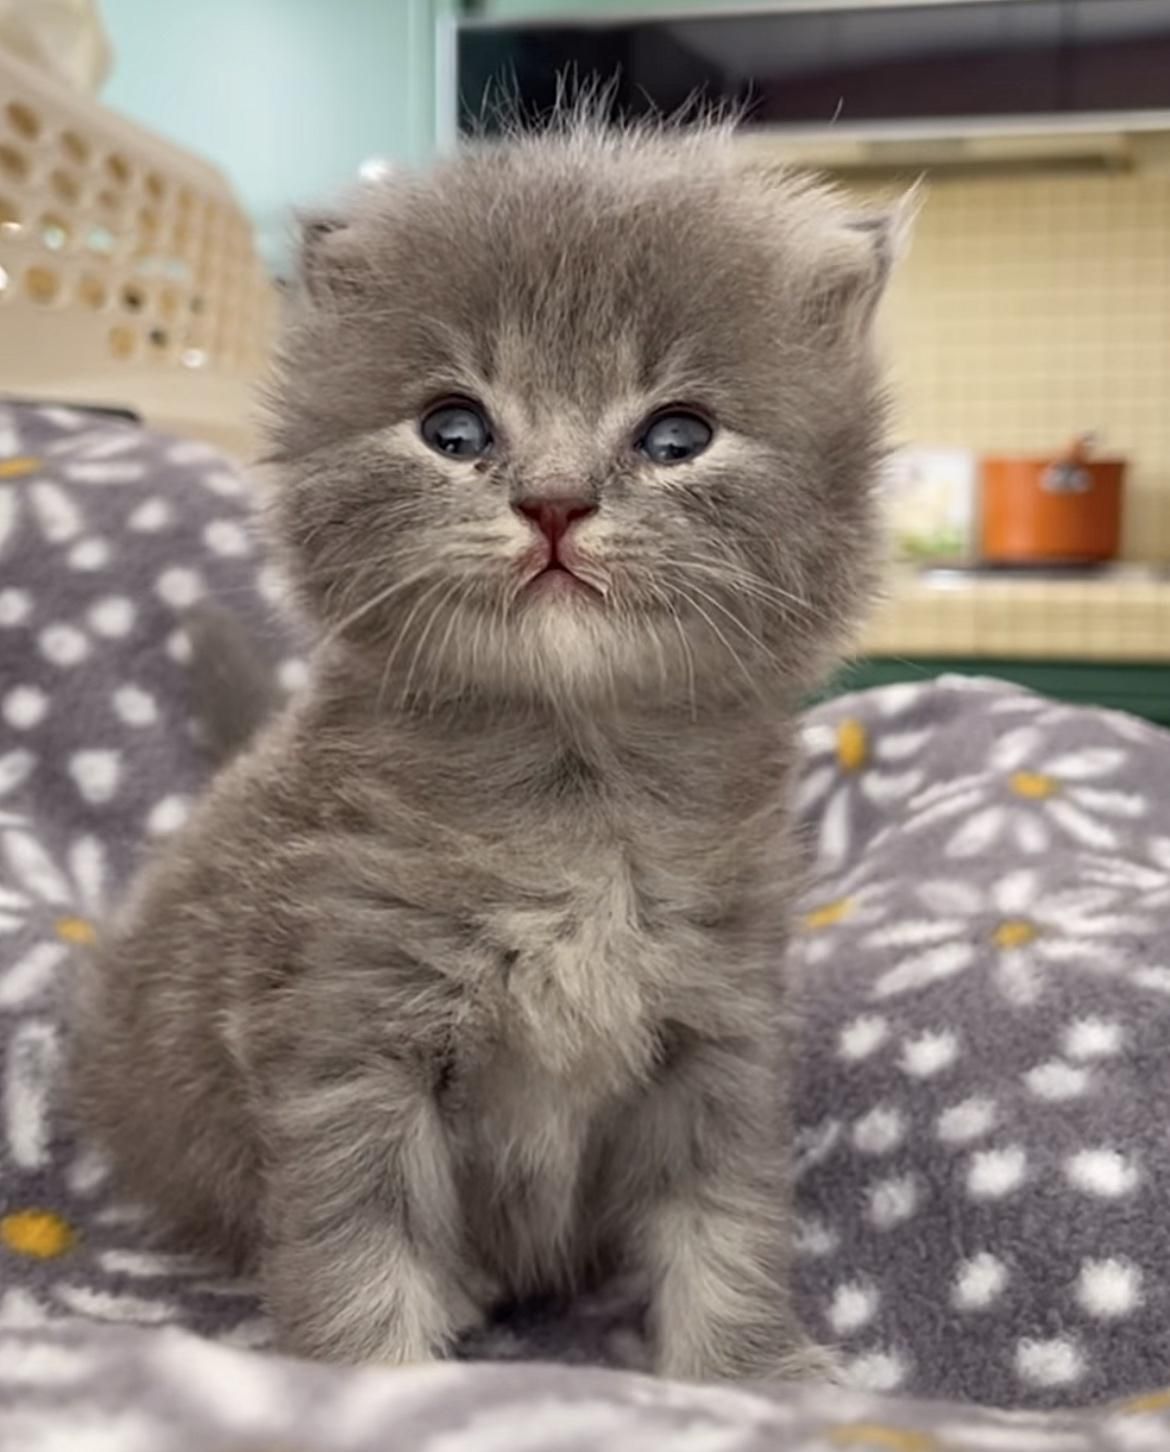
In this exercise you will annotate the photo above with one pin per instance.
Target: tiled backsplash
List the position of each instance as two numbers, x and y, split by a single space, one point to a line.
1035 307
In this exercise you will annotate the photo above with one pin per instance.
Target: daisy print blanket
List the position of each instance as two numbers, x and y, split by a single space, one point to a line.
983 1170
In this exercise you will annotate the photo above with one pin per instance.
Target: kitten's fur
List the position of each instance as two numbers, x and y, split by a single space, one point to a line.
466 979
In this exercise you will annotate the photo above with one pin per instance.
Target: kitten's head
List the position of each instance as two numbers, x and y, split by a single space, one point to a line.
585 415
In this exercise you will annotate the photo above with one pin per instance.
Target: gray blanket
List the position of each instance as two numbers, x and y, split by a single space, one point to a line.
983 1174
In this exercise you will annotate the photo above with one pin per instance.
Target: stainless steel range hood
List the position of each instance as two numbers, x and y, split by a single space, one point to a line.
1115 142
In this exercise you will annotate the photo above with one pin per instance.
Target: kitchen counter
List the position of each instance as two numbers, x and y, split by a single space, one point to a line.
1119 615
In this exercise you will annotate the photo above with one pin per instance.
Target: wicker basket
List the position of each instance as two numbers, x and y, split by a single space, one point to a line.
127 268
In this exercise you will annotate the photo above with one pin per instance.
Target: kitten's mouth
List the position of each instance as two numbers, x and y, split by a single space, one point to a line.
557 579
555 572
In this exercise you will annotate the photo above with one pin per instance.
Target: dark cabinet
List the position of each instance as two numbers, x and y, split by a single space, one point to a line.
867 63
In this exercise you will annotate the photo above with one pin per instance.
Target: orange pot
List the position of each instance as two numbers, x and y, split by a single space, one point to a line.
1061 510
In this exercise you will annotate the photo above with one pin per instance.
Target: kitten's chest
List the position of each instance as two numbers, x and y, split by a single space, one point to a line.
575 1032
577 994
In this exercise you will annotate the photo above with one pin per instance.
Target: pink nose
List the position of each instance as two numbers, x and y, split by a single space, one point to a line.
554 517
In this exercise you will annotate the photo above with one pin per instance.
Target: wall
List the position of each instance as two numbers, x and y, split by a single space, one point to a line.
1036 307
287 96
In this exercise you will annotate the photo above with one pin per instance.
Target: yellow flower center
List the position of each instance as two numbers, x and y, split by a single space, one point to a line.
879 1435
1014 933
18 467
1034 785
852 745
39 1233
828 914
76 930
1158 1401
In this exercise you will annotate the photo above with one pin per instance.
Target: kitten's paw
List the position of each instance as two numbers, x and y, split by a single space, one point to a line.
791 1359
359 1350
809 1362
628 1350
404 1356
475 1293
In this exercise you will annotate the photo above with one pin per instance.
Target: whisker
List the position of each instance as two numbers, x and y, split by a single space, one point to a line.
736 621
663 677
441 652
801 628
480 624
382 596
727 569
688 655
727 645
402 630
404 695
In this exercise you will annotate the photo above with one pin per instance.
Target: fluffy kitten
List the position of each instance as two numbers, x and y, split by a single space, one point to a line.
466 980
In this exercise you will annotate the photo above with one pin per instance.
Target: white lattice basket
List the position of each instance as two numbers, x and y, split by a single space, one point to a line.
128 273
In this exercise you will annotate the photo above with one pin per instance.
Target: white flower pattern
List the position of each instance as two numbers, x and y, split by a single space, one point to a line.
1030 799
1145 873
1016 927
53 906
847 766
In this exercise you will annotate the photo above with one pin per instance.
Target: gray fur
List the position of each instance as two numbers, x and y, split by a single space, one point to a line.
233 685
460 982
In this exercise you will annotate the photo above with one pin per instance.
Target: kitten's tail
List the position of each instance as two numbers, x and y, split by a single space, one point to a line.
233 688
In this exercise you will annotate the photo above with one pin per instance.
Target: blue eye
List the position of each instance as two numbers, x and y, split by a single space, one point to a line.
672 438
458 429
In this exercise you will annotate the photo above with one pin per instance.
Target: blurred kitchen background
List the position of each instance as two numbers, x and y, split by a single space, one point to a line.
149 157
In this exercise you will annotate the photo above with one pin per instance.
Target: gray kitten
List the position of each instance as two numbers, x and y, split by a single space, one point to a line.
465 980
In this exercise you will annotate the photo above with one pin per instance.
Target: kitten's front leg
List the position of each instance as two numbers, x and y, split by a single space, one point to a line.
365 1257
713 1229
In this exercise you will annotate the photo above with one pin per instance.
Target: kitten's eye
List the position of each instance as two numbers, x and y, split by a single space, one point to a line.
672 438
458 428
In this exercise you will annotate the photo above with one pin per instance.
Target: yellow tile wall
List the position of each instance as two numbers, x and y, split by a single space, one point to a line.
1034 307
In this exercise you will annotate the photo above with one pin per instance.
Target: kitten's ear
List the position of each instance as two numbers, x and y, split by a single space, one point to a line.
329 262
853 263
